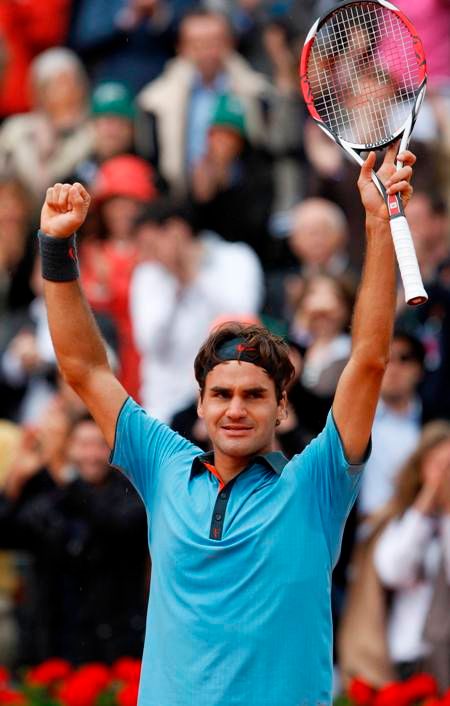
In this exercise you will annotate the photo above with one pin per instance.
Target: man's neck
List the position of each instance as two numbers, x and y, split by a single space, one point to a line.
228 467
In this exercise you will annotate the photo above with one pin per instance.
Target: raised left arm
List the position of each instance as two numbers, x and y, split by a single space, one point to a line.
358 389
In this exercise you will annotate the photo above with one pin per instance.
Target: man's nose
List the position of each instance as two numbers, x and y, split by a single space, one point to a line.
236 408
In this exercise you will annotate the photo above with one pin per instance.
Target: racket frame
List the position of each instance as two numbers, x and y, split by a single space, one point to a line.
412 281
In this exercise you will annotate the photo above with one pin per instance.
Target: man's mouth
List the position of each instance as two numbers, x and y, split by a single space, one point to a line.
236 428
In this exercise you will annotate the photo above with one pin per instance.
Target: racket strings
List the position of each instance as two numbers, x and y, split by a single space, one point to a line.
363 73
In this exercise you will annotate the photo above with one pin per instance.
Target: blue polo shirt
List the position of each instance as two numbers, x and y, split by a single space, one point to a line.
239 610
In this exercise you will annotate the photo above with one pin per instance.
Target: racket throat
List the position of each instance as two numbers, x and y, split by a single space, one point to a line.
394 206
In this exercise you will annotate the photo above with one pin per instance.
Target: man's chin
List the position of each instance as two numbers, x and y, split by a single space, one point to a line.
239 447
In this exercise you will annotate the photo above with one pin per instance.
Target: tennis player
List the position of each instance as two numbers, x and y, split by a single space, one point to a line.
243 542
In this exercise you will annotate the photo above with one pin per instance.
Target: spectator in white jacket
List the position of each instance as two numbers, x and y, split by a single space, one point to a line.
186 281
412 559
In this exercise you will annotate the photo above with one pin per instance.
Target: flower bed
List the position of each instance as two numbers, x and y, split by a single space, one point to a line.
419 690
56 683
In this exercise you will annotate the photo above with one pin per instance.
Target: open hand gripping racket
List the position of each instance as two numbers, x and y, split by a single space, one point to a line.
363 76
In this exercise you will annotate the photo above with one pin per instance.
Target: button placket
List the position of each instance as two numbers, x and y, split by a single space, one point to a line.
218 514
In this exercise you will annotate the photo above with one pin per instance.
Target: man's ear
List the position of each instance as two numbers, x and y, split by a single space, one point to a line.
283 407
200 406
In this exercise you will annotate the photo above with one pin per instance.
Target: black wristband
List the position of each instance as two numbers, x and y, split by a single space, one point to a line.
59 260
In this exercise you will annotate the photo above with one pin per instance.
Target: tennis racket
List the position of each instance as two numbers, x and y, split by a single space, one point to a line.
363 77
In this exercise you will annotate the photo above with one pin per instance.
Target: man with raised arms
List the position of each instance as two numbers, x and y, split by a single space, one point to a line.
243 542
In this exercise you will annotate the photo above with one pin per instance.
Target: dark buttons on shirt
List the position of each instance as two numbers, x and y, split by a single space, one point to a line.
218 516
223 494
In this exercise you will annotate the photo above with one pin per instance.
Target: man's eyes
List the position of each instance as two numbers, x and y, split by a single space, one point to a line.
254 394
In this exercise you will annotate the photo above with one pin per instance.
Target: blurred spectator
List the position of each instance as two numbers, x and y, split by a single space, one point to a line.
412 559
251 17
287 118
42 146
432 21
36 468
396 621
26 29
27 359
179 104
123 185
10 439
125 40
112 116
16 250
190 279
431 322
397 424
320 328
229 180
428 221
318 238
86 529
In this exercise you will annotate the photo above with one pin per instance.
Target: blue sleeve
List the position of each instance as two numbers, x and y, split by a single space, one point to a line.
142 446
336 481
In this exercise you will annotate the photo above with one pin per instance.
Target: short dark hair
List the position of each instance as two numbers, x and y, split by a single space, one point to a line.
272 353
163 209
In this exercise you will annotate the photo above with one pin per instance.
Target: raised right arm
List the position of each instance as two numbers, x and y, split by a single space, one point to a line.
77 341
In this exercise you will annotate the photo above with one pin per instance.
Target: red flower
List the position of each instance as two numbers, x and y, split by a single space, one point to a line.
48 672
127 669
421 686
83 687
95 673
128 695
12 698
4 676
361 692
446 698
392 695
433 702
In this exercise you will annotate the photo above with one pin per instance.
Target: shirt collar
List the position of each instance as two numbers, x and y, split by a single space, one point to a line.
218 84
275 460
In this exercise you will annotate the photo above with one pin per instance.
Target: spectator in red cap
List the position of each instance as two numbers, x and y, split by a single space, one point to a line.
123 184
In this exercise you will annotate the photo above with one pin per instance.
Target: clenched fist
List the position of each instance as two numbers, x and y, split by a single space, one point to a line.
64 210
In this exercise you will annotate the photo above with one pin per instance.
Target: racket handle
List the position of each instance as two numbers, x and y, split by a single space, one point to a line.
407 262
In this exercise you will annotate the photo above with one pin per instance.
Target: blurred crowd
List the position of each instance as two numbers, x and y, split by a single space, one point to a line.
215 197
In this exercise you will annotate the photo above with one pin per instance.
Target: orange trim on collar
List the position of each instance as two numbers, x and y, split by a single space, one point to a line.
213 470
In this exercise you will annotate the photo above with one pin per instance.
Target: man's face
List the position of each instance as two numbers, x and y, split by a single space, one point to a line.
240 409
402 374
89 452
206 42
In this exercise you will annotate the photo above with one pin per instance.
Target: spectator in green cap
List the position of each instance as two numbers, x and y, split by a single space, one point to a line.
229 113
232 183
112 115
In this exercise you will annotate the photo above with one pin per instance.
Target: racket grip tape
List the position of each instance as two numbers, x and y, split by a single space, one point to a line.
407 262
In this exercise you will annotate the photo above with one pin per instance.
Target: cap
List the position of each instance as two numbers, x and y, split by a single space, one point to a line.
229 112
125 175
113 98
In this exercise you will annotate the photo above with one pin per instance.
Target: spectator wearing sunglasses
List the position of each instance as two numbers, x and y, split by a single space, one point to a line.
397 422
